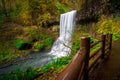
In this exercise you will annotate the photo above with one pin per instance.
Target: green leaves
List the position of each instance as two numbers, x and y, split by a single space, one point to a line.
109 25
19 43
76 45
40 46
62 8
48 43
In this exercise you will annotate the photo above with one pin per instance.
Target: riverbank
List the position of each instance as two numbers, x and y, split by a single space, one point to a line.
17 41
34 60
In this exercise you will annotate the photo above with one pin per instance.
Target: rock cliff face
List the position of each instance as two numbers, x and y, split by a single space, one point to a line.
114 6
94 9
91 11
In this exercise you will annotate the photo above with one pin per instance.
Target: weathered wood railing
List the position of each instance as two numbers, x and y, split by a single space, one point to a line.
84 60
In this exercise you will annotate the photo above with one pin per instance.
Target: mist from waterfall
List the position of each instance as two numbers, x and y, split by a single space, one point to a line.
62 45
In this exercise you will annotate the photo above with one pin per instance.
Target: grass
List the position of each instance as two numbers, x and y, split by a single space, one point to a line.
49 70
57 64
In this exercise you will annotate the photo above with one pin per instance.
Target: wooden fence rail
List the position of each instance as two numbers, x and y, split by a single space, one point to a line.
84 60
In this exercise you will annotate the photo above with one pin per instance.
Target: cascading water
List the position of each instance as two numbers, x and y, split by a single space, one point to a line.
62 45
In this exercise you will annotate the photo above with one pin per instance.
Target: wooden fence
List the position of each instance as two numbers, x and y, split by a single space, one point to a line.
85 59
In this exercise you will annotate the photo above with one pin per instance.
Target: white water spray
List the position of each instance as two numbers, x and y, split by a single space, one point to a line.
62 45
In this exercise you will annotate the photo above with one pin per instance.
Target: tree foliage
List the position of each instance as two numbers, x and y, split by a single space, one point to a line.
6 6
36 12
109 26
43 12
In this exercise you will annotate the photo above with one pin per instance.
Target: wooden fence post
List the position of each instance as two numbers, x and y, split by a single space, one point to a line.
85 42
103 37
110 44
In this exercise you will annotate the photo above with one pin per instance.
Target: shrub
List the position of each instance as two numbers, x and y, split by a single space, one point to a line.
109 25
18 43
48 43
42 19
40 46
76 45
31 32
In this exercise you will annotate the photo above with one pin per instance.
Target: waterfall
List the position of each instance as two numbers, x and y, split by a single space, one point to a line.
62 45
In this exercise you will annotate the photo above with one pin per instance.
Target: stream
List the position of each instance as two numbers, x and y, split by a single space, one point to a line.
34 60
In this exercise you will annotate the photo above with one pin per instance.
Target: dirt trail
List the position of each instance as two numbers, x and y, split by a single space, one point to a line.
110 68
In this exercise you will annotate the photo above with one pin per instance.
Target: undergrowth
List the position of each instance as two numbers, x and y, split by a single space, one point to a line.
17 41
109 25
